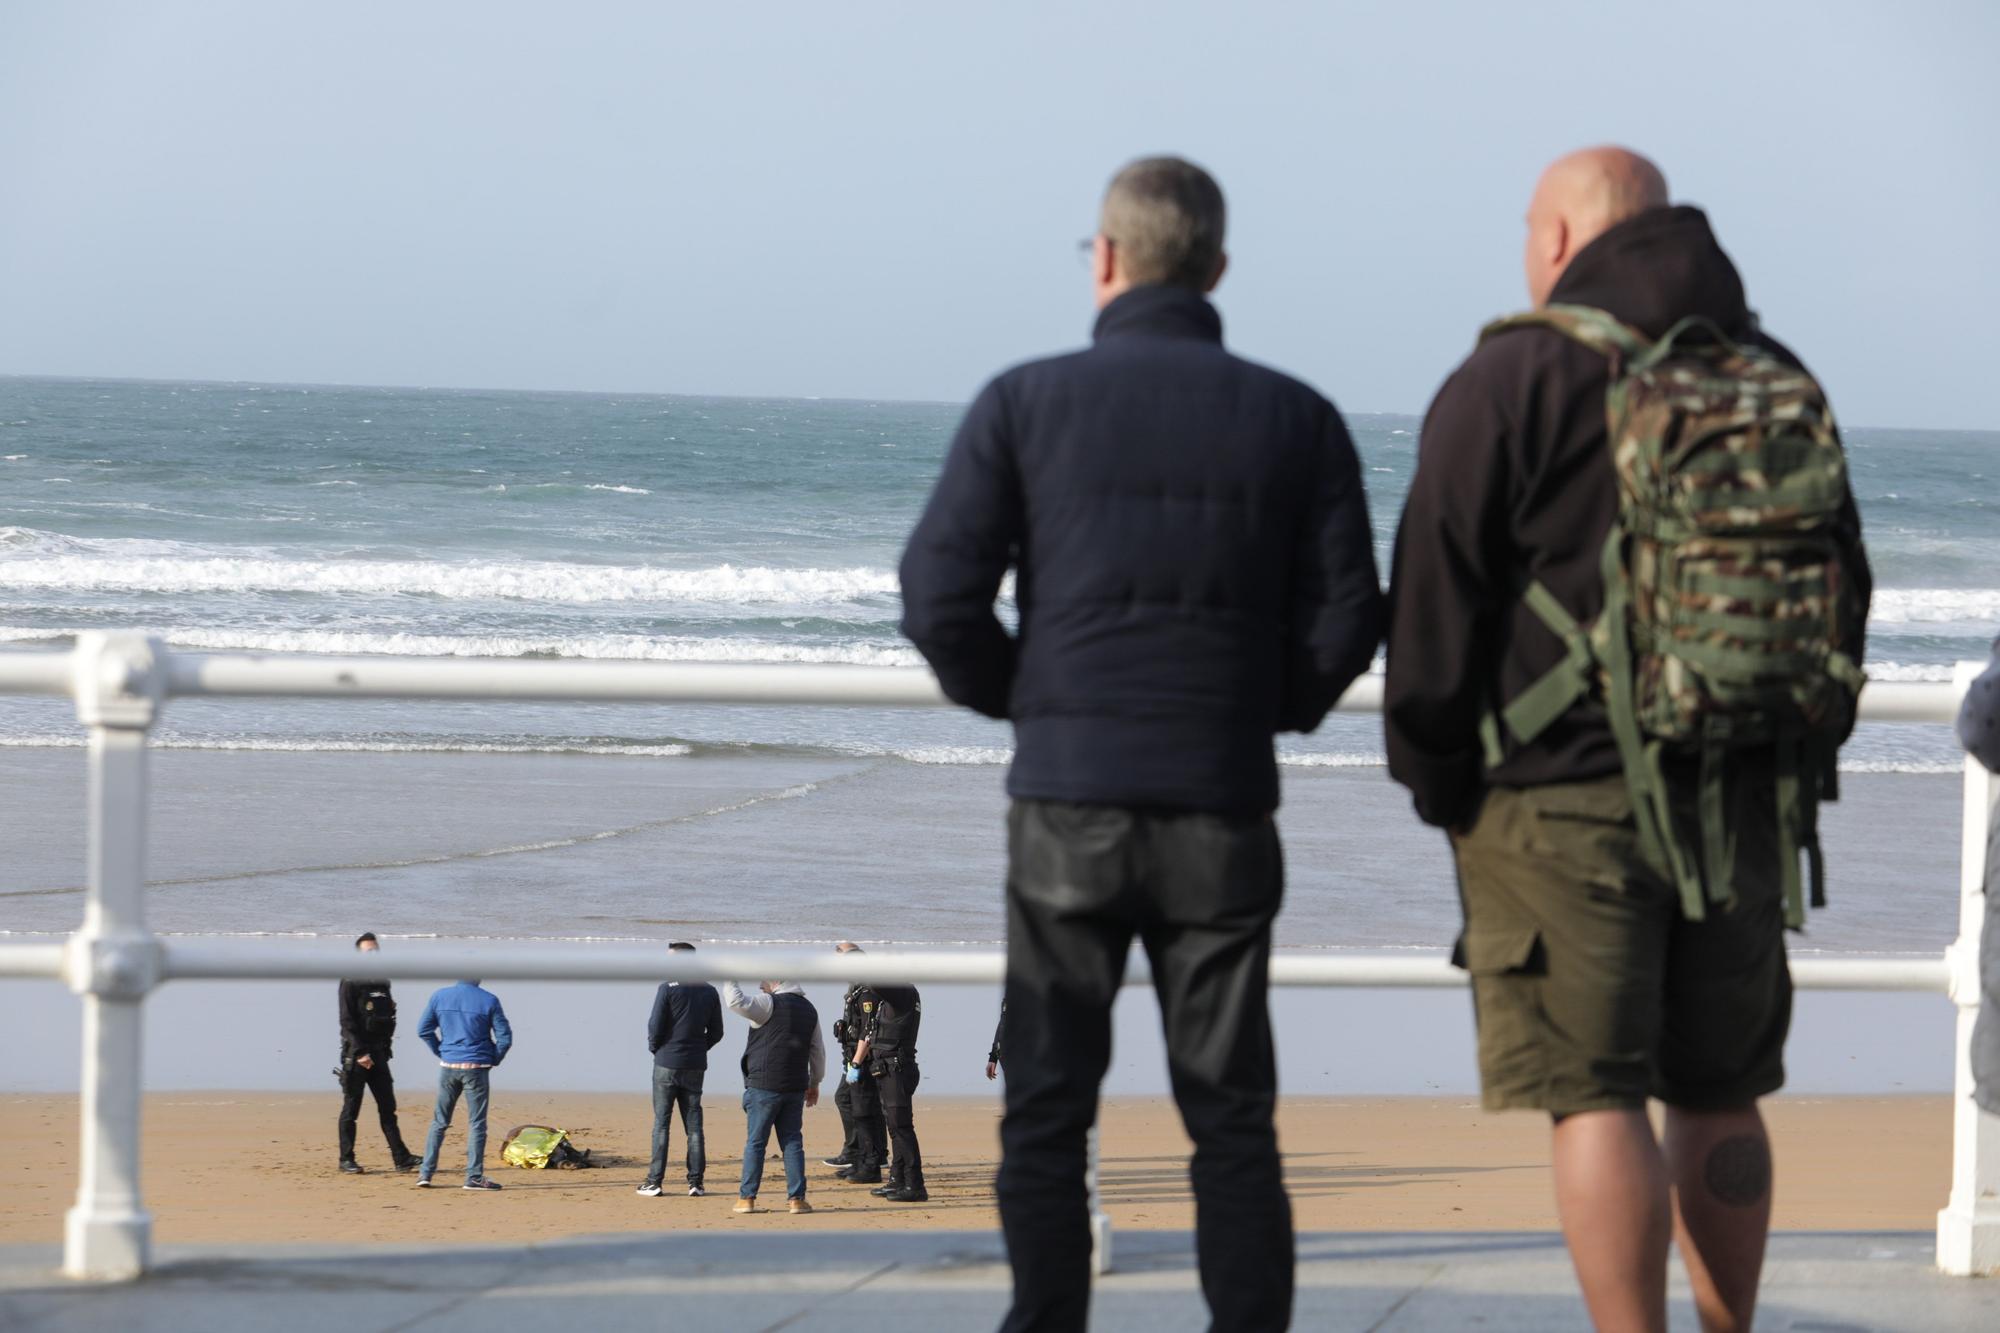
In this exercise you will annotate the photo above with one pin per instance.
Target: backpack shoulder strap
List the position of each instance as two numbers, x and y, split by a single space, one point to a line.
1596 329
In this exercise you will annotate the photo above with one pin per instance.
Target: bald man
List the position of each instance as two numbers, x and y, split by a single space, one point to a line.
1591 991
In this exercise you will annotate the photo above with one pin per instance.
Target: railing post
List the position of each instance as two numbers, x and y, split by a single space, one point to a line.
113 961
1100 1221
1968 1236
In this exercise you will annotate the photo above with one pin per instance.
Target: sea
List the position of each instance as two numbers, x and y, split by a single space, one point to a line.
631 527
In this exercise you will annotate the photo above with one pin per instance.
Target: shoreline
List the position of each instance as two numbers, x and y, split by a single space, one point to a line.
259 1167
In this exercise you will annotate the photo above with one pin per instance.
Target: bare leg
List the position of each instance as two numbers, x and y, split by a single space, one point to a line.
1611 1194
1721 1165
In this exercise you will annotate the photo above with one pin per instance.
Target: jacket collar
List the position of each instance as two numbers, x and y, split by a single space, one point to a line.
1161 311
1654 269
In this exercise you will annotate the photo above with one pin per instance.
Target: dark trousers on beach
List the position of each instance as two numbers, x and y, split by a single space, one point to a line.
355 1082
866 1137
678 1088
896 1085
1199 891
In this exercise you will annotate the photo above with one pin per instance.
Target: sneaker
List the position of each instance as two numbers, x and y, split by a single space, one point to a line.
884 1191
745 1206
871 1175
350 1167
482 1183
409 1164
648 1191
909 1194
696 1192
797 1206
836 1161
423 1182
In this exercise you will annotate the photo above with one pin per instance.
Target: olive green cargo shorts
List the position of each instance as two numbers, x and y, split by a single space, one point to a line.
1591 990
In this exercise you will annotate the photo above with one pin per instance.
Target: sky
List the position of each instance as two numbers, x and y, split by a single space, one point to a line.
883 200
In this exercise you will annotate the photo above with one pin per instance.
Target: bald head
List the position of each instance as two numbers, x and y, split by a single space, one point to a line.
1580 197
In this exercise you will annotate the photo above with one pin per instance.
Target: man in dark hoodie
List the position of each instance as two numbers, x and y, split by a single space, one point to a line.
685 1024
1590 989
1194 572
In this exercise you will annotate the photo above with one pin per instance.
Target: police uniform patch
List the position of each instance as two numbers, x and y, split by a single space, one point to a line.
868 1006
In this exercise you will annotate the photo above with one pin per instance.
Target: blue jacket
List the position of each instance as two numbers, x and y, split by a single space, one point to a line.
686 1022
465 1025
1193 564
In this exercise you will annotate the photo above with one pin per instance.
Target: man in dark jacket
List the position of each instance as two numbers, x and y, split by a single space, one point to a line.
1591 990
1194 573
685 1024
367 1040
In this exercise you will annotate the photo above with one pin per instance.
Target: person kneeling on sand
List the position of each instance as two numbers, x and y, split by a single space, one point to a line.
468 1032
783 1063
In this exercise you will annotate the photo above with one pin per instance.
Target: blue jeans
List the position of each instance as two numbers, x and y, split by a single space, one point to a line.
677 1088
452 1082
786 1113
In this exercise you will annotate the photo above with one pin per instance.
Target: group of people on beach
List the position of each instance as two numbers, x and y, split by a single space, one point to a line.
1624 635
784 1063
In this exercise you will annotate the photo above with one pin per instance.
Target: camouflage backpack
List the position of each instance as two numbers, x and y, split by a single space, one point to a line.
1725 626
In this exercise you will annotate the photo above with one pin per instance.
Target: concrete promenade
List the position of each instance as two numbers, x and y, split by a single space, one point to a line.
879 1282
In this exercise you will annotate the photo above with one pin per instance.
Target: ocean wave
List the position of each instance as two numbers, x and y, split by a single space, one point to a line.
1936 606
528 581
1900 672
589 647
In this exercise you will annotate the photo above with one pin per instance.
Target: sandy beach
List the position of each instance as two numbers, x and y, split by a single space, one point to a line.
236 1167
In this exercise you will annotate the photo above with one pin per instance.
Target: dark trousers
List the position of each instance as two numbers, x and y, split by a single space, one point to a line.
354 1082
896 1087
1199 892
865 1139
678 1089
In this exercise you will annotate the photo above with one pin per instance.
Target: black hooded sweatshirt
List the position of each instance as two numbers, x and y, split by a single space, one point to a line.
1514 483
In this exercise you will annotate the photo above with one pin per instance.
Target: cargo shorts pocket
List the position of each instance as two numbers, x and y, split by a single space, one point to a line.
1507 1007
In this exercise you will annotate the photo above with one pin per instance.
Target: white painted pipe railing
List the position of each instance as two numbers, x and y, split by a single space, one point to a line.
119 682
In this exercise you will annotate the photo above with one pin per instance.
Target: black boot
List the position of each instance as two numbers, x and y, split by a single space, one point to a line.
895 1182
867 1173
349 1167
913 1191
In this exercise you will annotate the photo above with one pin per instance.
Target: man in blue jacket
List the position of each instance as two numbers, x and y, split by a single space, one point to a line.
686 1022
1194 573
467 1031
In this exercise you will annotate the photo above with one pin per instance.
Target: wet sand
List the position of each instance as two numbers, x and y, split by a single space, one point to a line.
242 1167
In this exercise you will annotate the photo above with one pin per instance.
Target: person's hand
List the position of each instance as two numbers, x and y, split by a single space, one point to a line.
853 1074
365 1061
992 1069
812 1096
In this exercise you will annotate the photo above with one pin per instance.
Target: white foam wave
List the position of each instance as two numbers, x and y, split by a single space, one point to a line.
1936 606
590 647
1888 672
621 490
531 581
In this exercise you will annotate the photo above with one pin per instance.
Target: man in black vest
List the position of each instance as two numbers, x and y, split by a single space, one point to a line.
367 1034
783 1063
864 1136
888 1051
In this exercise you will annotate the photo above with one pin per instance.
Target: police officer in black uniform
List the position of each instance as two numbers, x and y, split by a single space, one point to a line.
367 1034
888 1050
866 1138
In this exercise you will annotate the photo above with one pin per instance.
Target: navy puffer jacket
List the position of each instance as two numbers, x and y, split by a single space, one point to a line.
1194 566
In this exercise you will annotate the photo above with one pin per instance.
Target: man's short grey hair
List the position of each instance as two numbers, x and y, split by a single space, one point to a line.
1165 215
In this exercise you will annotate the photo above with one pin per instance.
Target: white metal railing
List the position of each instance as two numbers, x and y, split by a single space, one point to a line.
119 682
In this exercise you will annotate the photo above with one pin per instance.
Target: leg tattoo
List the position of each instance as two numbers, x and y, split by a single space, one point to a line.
1738 1171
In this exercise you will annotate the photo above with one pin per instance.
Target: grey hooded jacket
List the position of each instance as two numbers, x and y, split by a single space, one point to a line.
1979 732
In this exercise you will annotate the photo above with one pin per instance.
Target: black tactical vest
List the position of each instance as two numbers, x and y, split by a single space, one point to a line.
899 1012
774 1059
